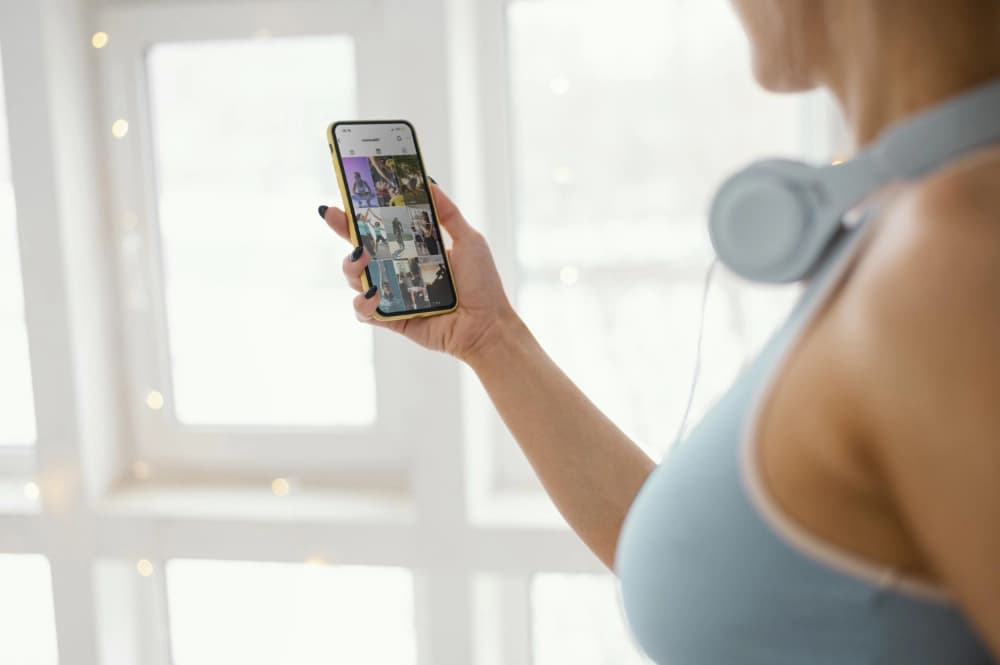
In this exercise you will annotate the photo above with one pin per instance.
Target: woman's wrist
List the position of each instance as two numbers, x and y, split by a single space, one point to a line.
505 333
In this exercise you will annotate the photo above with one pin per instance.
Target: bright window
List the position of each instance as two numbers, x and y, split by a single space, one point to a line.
577 619
261 330
266 613
27 621
620 136
232 320
17 413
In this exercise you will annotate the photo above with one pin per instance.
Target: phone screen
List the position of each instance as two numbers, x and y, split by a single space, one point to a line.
394 219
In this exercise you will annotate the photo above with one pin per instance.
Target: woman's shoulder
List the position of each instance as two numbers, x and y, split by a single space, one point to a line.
914 328
928 280
922 306
938 241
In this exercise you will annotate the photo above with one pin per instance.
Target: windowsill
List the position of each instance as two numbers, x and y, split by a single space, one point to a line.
253 503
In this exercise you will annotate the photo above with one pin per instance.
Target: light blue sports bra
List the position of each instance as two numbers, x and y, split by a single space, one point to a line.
712 573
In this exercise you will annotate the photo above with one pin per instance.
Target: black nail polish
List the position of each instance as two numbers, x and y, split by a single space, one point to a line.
370 293
356 254
322 211
431 178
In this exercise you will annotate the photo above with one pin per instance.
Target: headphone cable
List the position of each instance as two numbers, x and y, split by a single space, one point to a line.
697 354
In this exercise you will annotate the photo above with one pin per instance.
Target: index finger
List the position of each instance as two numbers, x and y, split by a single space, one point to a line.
336 220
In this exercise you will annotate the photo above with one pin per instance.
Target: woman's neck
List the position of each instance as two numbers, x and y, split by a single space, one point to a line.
914 62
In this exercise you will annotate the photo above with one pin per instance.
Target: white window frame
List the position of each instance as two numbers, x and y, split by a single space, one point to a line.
95 518
17 461
162 441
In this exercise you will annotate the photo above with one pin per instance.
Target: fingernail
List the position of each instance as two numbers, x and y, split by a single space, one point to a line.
356 254
431 178
322 211
370 293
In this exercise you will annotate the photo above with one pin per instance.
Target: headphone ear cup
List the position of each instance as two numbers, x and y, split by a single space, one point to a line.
762 221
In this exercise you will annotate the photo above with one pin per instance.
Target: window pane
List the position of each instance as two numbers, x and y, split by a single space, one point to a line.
578 619
619 143
266 613
17 412
620 140
259 320
611 337
27 621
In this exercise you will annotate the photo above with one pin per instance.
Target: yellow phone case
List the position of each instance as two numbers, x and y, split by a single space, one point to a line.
352 224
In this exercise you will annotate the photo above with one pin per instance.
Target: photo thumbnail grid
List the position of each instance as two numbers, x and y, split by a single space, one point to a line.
381 182
395 226
409 284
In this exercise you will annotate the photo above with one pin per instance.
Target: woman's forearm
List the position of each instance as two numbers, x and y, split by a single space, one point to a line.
588 466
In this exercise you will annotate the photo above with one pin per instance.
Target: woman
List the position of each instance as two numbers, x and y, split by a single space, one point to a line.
397 233
430 238
418 240
380 237
364 230
362 192
386 297
396 197
382 193
860 520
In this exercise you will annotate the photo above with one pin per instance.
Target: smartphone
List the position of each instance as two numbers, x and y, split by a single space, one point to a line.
390 211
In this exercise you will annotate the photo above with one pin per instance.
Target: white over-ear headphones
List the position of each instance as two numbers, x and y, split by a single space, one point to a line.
772 221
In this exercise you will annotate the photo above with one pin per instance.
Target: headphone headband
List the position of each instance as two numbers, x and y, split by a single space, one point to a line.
940 134
772 221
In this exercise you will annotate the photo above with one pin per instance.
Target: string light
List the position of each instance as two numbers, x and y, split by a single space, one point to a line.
569 275
144 567
99 40
119 128
140 470
280 486
559 85
31 491
154 400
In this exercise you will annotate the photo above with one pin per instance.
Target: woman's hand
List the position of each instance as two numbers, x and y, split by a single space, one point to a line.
566 438
483 309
